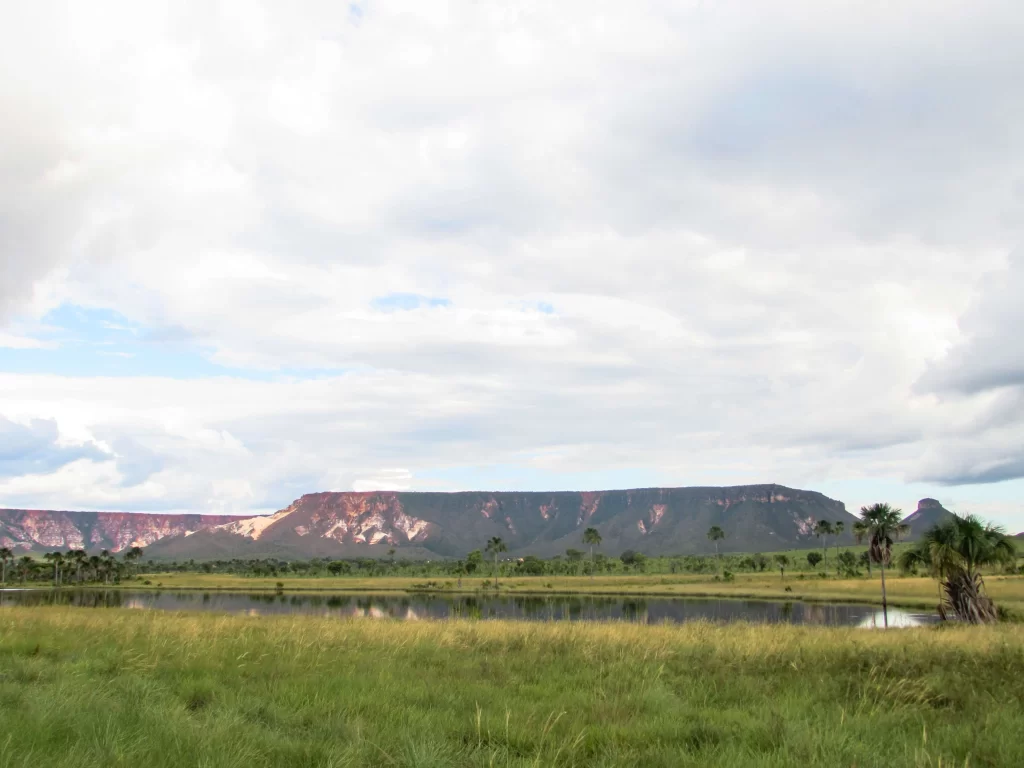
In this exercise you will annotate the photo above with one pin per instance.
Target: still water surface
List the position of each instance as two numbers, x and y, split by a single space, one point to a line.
651 610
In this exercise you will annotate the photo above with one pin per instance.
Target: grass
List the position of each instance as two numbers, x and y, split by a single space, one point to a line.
910 592
106 688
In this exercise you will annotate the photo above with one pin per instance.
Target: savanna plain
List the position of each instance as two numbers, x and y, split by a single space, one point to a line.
111 687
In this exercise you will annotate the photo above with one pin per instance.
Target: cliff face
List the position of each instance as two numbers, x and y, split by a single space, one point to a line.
24 530
653 521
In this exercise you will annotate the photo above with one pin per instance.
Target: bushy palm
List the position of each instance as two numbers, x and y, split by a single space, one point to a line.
883 525
954 553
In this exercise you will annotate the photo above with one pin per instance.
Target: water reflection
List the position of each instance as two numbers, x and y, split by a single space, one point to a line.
413 607
897 618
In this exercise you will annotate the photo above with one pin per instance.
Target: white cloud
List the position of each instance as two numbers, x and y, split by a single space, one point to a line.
713 240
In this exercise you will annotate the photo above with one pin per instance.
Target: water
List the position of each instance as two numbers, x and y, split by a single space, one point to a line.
650 610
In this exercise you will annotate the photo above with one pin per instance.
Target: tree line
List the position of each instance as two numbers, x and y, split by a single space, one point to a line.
75 566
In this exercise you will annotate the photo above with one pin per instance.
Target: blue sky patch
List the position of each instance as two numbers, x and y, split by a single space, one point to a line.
403 302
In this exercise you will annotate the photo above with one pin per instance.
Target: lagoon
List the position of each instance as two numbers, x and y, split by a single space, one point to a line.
415 606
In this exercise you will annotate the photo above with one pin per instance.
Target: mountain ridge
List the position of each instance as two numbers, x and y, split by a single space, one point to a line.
433 524
417 524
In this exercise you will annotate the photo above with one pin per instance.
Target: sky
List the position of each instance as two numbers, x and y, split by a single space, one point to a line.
254 250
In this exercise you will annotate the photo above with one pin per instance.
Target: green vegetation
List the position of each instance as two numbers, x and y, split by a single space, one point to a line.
954 553
882 524
496 546
124 688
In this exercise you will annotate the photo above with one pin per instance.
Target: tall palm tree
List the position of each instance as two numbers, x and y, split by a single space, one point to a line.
716 534
837 529
57 559
5 556
76 557
26 564
860 533
107 559
592 537
135 553
823 529
782 561
496 545
95 564
884 525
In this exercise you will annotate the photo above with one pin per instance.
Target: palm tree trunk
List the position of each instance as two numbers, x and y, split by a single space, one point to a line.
495 570
824 552
591 561
885 605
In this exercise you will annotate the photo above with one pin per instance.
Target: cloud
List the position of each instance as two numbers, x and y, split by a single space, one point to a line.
697 242
35 448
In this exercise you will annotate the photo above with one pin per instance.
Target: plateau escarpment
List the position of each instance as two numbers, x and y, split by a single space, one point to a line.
651 520
34 530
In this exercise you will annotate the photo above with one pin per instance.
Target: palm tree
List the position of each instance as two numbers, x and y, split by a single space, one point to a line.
860 533
884 524
592 537
496 545
107 559
823 529
716 534
26 564
954 552
57 559
134 554
837 528
782 561
77 556
5 556
95 563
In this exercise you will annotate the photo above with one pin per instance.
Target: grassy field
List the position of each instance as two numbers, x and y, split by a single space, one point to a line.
122 688
913 592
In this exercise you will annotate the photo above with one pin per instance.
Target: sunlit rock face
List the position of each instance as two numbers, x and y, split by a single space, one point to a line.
31 530
649 520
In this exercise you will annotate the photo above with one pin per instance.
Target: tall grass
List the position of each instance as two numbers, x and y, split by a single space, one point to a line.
112 688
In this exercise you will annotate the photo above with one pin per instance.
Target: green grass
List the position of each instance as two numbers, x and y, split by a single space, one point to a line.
122 688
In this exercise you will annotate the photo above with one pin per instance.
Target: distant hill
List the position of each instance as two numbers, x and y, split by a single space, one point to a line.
928 514
35 530
423 525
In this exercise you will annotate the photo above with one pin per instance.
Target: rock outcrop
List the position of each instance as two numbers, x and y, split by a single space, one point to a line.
928 514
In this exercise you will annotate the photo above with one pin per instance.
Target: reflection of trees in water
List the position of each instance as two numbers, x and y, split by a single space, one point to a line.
410 607
635 610
786 612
